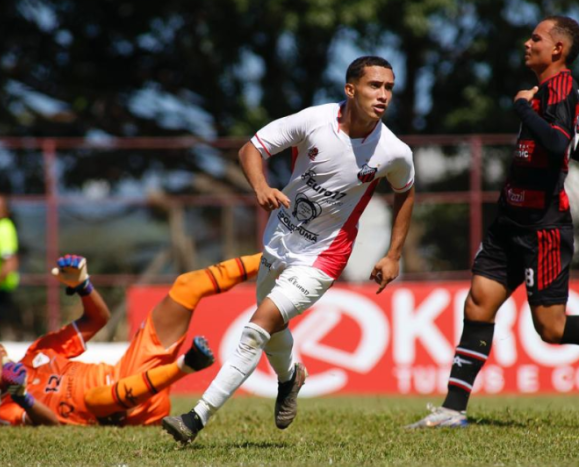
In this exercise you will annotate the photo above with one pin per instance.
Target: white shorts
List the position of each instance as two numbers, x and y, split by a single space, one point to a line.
292 288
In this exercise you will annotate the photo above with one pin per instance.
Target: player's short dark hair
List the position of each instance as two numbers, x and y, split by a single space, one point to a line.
356 69
567 27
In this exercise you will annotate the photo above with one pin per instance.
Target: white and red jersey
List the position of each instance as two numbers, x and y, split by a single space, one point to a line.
332 181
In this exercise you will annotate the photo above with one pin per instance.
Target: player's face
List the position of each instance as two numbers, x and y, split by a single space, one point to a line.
372 93
541 47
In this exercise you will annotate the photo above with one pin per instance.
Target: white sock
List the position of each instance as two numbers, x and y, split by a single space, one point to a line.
234 371
279 353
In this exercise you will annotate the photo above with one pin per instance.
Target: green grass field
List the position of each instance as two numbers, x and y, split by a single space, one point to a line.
344 431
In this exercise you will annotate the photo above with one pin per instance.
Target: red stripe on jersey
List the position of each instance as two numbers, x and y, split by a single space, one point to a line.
263 145
551 90
563 201
559 87
540 260
294 157
549 257
334 259
557 127
557 253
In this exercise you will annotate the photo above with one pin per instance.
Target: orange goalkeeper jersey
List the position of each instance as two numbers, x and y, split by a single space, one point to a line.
57 381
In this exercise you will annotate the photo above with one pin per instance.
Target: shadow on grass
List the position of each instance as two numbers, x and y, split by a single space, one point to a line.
486 421
242 445
259 445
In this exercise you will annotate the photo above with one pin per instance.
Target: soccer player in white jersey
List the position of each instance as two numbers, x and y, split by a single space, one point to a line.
340 152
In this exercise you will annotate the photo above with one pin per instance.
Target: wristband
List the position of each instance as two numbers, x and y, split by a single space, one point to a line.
83 289
26 402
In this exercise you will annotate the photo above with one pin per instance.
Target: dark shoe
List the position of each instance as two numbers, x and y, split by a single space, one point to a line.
286 404
184 428
199 356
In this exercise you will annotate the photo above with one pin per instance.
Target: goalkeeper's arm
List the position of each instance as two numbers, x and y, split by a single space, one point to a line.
72 272
15 378
40 414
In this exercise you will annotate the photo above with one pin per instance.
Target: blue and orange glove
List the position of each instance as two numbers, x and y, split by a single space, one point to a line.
14 378
72 272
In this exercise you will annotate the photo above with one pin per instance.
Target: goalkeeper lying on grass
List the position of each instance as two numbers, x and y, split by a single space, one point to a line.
47 388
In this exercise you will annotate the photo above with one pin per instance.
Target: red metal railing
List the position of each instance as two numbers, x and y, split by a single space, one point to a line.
49 147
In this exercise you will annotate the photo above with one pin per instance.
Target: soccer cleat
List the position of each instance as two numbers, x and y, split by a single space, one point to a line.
199 356
286 404
441 417
183 428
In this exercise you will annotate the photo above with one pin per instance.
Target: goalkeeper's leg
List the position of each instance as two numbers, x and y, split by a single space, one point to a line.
171 317
133 390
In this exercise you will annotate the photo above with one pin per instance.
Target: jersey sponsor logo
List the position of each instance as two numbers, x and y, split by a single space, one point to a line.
313 152
367 173
40 360
525 150
265 263
305 209
287 222
310 179
525 198
65 409
293 280
515 197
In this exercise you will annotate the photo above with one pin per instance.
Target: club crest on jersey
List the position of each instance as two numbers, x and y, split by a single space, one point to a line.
305 209
367 173
312 153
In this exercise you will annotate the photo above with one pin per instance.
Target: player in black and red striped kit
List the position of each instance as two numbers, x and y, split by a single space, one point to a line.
531 240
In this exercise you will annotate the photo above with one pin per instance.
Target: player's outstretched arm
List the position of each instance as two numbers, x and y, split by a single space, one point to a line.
72 272
388 268
14 380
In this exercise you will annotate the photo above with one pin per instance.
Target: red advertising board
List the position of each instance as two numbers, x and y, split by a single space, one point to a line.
399 342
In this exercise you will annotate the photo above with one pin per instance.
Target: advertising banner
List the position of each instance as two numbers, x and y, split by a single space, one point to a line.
399 342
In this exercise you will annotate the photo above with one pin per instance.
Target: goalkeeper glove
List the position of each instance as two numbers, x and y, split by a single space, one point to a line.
14 378
72 272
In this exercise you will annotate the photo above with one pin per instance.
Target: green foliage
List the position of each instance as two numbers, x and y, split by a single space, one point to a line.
342 431
92 57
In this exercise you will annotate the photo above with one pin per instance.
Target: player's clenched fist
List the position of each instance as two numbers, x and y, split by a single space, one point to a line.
72 272
14 378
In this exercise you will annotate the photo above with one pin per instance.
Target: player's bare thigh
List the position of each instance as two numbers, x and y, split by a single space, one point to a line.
484 299
268 317
171 321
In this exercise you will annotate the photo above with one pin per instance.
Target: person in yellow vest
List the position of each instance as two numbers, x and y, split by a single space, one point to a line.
9 277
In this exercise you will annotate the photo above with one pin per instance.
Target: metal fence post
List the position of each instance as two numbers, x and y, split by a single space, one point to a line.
50 178
475 195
